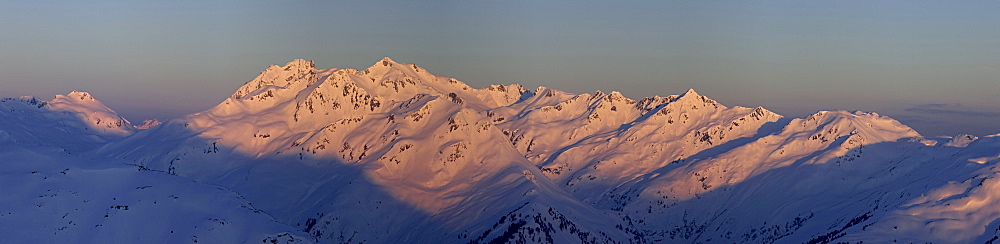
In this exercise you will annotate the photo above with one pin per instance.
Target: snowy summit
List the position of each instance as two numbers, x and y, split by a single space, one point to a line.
396 154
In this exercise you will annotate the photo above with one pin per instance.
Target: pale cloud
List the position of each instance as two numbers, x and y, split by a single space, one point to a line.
950 109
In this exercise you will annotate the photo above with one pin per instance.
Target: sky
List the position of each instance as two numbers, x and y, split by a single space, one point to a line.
933 65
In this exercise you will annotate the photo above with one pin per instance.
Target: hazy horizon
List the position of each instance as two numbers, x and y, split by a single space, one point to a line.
931 65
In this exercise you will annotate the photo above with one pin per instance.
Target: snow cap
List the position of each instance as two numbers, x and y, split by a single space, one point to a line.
80 95
386 61
691 92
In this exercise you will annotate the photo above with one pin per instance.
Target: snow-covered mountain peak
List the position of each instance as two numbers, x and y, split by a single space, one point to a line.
395 154
830 125
149 123
388 69
836 114
76 121
300 64
297 72
294 66
961 140
93 112
615 95
691 92
690 101
692 97
79 95
78 98
386 64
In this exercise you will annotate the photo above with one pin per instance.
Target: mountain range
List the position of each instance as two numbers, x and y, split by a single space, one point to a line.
395 154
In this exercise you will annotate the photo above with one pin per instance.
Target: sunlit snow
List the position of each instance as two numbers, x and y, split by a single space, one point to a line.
395 154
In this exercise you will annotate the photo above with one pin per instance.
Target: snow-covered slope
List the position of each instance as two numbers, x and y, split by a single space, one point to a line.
53 193
74 122
395 154
365 156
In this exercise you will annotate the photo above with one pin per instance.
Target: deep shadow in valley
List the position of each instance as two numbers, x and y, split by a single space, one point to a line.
329 198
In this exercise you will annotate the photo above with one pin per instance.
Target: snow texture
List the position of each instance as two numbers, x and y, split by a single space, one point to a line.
395 154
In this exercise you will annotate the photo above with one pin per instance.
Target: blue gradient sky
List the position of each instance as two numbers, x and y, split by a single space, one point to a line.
934 65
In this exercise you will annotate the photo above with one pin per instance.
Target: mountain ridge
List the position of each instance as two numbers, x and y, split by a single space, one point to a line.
394 153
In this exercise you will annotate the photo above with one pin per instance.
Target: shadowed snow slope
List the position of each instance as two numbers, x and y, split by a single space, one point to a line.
395 154
53 192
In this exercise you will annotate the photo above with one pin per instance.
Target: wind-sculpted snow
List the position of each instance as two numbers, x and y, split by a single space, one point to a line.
395 154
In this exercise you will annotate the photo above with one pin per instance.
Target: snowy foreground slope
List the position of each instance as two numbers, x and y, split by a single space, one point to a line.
53 192
394 154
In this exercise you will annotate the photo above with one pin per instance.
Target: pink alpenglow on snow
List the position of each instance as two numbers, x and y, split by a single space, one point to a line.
396 154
